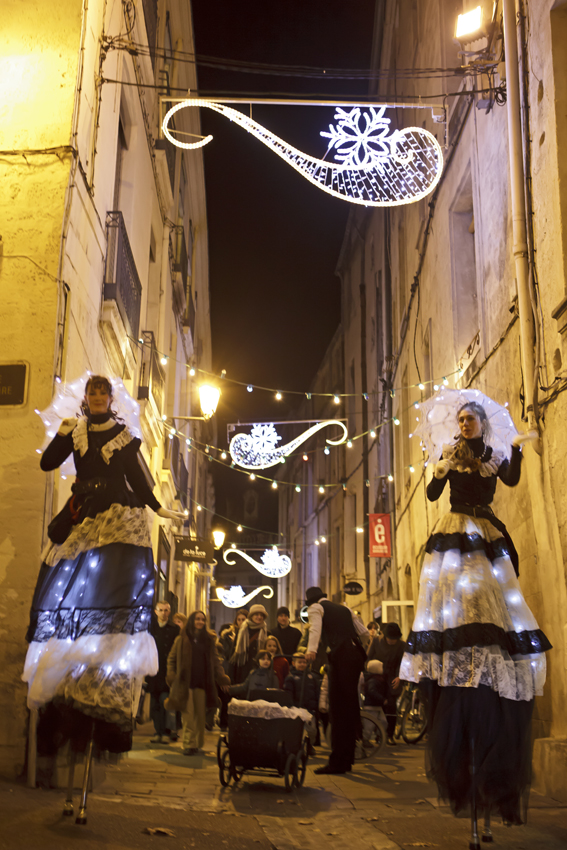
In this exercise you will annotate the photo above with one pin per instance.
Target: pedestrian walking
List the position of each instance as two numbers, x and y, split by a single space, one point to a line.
475 646
340 631
194 669
252 634
287 635
164 634
390 651
280 663
90 644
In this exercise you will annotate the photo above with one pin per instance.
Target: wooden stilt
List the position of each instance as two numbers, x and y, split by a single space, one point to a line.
474 843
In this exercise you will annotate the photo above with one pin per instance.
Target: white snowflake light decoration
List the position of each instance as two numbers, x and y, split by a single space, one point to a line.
373 169
258 449
273 564
235 597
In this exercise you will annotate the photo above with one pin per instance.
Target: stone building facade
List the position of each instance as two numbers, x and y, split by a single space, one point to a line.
430 291
104 267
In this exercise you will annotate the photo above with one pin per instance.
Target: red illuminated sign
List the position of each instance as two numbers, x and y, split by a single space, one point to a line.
380 536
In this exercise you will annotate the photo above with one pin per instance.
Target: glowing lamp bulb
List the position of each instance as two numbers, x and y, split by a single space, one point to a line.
421 386
141 341
327 450
223 455
336 399
359 530
446 382
435 387
305 457
218 537
316 543
163 360
186 512
188 442
163 417
412 469
250 388
469 23
209 398
252 477
199 508
192 372
239 528
297 488
390 477
321 489
396 420
278 396
274 485
373 434
349 444
323 540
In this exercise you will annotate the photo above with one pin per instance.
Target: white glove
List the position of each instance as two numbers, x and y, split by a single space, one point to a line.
520 439
170 514
67 425
442 468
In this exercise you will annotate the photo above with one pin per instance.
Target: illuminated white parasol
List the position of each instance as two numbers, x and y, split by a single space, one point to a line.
67 405
438 421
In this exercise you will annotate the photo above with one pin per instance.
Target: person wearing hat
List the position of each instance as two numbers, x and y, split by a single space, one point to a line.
340 632
287 635
252 634
390 650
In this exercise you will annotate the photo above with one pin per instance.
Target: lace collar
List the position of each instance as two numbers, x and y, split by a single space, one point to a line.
487 468
81 439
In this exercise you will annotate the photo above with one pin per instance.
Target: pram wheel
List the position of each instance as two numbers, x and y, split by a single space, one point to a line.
290 775
226 772
301 766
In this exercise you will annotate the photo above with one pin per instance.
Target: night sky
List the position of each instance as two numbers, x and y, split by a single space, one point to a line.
274 239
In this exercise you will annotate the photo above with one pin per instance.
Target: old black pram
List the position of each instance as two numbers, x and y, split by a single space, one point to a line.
264 738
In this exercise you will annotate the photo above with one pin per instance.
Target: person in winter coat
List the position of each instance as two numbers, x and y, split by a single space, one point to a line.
281 666
390 650
287 635
302 684
193 670
252 634
375 683
261 677
164 634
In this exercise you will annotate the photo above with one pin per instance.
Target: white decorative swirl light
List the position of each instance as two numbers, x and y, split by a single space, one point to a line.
258 450
273 564
235 597
373 169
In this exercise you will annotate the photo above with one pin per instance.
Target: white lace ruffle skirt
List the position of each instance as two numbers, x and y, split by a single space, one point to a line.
472 625
100 675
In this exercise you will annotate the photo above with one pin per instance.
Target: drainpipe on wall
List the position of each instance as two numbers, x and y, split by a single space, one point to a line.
518 198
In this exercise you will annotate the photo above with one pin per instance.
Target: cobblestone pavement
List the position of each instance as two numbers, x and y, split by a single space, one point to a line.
383 805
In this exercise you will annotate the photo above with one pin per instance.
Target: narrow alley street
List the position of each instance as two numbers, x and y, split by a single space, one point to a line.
384 805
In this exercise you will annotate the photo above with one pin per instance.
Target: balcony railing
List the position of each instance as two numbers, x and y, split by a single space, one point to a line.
152 376
121 281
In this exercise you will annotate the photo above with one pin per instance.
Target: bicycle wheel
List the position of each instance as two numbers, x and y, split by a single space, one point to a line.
414 720
373 738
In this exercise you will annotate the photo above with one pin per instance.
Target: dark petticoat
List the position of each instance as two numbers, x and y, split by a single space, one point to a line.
467 723
467 543
59 723
478 634
102 591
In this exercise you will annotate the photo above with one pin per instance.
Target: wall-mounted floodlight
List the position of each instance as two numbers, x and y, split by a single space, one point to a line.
475 24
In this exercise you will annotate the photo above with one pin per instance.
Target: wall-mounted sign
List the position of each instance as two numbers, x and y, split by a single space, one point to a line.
13 384
353 588
380 536
194 549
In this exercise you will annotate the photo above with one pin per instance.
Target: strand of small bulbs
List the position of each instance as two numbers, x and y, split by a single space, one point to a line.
279 395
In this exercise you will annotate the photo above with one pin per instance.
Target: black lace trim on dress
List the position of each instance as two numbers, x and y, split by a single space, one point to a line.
78 622
478 634
462 542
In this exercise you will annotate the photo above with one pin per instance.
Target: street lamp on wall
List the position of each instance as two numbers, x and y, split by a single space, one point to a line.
209 396
475 24
218 537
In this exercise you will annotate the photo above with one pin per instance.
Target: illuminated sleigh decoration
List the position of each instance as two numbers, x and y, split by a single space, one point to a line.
373 169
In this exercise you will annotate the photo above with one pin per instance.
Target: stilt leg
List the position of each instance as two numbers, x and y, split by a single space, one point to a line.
474 843
82 816
487 832
68 807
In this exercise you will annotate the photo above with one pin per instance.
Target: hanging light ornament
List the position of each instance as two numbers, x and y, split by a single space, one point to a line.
258 449
235 597
273 564
372 169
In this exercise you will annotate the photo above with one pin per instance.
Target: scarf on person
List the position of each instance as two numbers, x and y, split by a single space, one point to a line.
243 641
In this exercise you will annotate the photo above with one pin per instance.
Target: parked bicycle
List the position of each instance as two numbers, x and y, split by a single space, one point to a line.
411 723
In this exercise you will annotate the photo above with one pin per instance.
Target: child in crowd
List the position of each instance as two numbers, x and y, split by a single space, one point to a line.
281 666
262 676
303 685
375 683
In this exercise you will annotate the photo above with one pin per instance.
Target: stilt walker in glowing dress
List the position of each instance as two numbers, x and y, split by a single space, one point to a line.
475 647
90 647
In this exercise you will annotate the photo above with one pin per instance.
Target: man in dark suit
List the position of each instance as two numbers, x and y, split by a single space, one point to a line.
164 634
340 632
